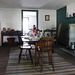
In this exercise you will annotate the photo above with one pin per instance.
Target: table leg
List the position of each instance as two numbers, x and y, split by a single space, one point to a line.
35 55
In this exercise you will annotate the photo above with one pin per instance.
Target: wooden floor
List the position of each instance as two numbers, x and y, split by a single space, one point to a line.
4 55
59 51
64 54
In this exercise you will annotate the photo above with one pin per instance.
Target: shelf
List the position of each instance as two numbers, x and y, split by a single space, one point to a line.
8 44
15 33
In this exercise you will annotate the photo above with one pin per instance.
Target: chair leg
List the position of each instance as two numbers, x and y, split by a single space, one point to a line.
20 56
42 61
52 64
38 57
30 55
52 61
49 57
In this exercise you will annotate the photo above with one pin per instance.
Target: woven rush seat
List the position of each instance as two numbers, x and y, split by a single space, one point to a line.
44 49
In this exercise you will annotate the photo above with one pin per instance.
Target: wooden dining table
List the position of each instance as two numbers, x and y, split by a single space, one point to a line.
32 41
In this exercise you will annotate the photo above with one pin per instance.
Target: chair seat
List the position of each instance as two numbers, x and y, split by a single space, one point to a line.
44 49
25 46
25 43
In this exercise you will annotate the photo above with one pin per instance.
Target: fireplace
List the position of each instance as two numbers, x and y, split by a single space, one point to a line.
71 34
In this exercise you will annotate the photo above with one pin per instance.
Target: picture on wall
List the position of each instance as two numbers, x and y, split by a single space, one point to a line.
47 17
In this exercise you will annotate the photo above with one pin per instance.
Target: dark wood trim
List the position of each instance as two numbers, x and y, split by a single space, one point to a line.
22 17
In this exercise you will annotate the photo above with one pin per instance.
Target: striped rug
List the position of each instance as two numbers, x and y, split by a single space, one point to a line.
25 67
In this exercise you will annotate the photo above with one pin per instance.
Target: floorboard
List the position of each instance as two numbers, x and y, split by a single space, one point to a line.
60 50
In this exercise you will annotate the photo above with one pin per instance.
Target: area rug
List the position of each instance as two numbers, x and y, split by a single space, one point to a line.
25 67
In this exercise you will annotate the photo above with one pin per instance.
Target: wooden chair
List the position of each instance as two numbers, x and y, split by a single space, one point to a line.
49 38
54 34
47 33
45 46
26 47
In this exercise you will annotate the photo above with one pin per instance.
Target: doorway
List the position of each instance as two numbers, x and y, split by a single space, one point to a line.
29 18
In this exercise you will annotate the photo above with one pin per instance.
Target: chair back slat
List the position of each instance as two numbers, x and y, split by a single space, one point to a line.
47 38
46 43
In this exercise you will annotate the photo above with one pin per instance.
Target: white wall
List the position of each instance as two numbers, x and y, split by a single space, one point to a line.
71 33
47 24
70 9
11 18
0 33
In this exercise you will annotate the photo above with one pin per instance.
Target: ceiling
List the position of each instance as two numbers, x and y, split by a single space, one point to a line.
35 4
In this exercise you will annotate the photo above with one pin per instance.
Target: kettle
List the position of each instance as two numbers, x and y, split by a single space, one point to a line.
72 45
